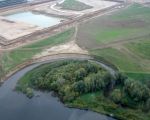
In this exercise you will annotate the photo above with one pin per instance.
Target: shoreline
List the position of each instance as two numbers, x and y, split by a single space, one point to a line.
37 60
55 94
58 57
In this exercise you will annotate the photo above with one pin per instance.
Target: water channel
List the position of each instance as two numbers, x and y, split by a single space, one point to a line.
16 106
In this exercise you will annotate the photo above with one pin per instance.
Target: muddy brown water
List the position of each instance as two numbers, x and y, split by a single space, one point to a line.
16 106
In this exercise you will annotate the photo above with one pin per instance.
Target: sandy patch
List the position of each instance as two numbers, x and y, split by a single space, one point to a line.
70 47
13 29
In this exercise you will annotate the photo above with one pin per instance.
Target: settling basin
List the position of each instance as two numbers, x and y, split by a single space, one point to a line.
16 106
40 20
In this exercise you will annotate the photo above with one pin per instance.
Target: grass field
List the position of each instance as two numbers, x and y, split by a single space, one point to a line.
74 5
128 23
119 59
131 58
11 59
141 48
131 24
142 77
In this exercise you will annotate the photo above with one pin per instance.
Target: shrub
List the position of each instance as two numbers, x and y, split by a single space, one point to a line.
136 90
79 87
29 93
116 95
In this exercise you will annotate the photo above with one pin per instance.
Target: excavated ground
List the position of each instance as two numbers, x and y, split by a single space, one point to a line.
16 33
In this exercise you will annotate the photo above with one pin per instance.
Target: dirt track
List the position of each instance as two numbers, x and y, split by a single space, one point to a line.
56 57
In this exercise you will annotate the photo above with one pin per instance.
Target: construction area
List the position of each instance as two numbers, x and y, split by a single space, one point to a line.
16 31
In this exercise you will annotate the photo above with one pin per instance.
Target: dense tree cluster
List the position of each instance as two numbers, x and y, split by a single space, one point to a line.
130 93
70 79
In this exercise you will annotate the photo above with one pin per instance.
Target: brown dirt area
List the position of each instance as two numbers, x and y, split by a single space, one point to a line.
22 32
70 47
14 29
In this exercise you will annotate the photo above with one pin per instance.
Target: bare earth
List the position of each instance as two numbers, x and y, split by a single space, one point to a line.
52 7
14 29
97 4
70 47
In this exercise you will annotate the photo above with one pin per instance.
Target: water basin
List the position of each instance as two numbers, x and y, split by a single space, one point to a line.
40 20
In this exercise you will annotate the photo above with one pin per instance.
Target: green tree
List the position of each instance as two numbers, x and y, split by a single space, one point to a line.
120 78
109 83
69 94
91 67
94 82
136 90
80 74
147 105
116 95
79 87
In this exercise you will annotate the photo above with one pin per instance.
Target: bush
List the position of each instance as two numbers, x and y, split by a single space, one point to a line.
146 107
80 74
136 90
79 87
116 95
29 93
94 82
120 78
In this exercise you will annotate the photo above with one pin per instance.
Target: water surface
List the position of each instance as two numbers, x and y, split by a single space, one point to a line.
35 19
16 106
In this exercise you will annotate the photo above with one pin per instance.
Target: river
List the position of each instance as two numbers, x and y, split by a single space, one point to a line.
16 106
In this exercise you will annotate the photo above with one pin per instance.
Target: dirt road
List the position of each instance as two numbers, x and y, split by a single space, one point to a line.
57 57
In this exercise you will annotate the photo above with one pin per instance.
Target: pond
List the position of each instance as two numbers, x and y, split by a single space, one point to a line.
40 20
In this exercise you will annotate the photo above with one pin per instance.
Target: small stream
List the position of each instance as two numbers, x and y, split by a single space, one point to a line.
16 106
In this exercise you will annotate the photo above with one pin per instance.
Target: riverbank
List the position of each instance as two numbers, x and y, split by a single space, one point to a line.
12 60
42 106
45 58
85 85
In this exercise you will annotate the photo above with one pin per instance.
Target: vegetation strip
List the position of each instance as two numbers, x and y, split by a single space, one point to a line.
11 59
